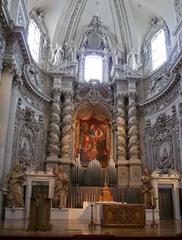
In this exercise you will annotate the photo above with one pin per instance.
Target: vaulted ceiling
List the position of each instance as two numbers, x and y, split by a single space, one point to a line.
127 21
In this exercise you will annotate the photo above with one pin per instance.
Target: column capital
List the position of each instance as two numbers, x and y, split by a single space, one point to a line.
56 93
10 69
121 95
132 96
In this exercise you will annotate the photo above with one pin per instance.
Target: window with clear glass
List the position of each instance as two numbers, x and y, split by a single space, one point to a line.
34 40
93 67
158 46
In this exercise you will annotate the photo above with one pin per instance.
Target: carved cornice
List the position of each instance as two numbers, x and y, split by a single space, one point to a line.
32 96
65 69
163 99
174 81
20 34
16 52
124 72
31 87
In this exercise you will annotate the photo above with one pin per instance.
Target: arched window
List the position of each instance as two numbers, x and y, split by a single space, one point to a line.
158 49
34 40
93 67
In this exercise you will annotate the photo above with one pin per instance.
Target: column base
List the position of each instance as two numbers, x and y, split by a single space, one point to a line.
123 173
52 161
135 172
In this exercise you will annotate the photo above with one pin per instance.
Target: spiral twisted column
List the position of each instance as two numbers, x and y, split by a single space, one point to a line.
133 142
66 128
54 128
133 145
121 133
123 174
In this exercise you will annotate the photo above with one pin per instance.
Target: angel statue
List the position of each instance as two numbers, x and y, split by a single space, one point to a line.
15 189
61 188
56 54
147 190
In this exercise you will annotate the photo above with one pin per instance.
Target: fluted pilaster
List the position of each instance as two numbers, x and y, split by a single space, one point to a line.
5 98
66 128
54 133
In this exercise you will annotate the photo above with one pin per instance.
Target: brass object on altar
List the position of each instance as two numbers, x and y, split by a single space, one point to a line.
91 224
106 194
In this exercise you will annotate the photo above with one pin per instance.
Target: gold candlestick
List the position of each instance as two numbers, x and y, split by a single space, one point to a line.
91 224
153 205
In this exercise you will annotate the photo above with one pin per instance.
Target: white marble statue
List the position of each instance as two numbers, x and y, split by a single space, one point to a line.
147 189
119 58
56 55
15 189
61 187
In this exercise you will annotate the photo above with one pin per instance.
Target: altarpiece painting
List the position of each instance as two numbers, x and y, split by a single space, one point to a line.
94 142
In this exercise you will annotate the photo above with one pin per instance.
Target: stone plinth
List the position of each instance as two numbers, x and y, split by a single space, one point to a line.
148 213
14 213
60 214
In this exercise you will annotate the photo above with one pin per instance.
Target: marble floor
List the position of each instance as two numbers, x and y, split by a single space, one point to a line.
72 228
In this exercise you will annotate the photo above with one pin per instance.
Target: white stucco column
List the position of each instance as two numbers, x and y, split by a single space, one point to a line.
10 131
176 204
81 68
28 195
5 98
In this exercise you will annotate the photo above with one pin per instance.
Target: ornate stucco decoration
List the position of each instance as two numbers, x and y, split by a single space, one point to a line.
94 41
95 37
161 142
161 100
34 77
28 136
94 92
156 83
38 79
